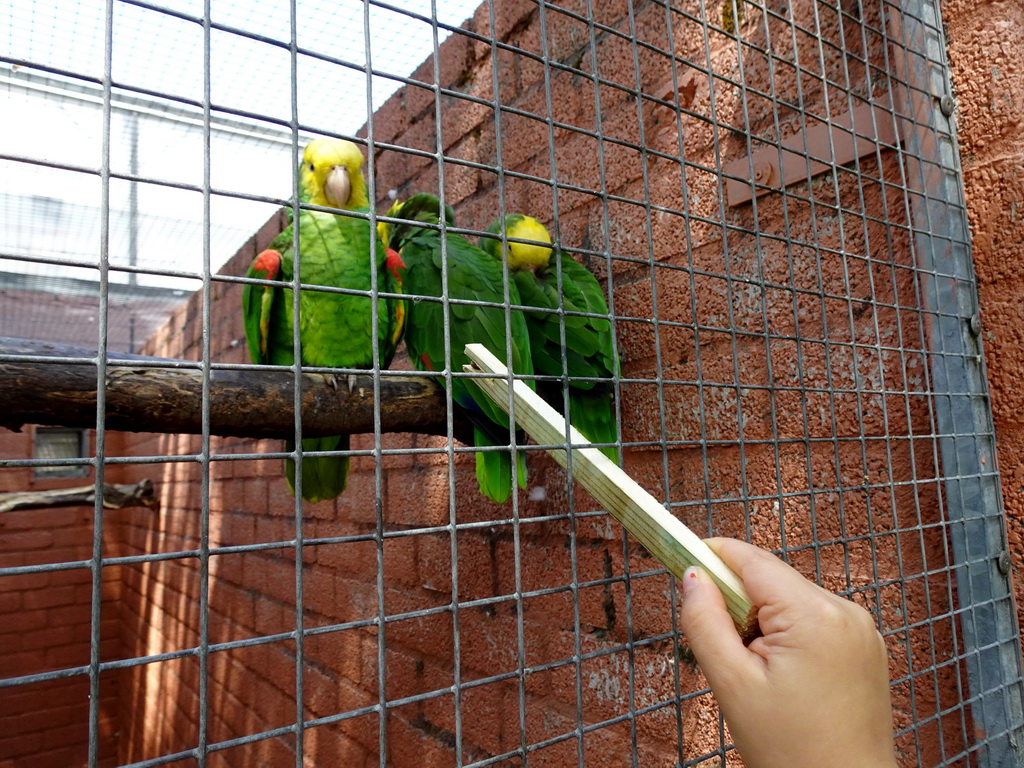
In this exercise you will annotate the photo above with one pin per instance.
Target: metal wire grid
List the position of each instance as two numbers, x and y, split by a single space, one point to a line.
951 650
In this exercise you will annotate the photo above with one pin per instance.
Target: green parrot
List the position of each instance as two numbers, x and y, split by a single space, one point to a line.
589 347
335 329
471 275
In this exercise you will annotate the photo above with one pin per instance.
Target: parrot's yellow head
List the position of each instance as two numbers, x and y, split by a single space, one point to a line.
420 207
331 174
535 255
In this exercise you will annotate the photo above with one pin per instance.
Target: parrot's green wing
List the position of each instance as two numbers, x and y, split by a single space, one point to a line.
583 335
258 303
592 408
570 333
589 348
472 276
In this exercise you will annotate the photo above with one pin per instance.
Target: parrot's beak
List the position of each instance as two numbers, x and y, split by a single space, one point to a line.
338 186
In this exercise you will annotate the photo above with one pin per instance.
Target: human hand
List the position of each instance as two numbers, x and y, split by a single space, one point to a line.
814 689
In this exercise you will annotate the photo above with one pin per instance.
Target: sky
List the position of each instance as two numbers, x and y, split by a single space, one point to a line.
52 213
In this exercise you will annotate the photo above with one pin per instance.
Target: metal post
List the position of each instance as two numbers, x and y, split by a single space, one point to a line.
963 417
133 198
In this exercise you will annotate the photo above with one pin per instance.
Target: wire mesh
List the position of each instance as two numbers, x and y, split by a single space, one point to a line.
770 199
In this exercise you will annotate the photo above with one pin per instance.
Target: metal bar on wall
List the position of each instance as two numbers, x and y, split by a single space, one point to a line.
963 417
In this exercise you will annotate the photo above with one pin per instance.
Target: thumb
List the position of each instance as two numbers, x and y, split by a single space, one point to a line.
710 631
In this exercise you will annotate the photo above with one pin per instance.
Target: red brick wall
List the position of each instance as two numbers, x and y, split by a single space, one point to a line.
45 621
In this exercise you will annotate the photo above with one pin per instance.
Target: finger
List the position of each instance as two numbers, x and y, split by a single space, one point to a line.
768 580
711 633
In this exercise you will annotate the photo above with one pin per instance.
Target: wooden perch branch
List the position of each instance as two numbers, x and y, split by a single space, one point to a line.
243 403
115 496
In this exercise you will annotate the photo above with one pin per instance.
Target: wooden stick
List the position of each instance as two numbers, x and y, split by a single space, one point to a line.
668 539
243 403
115 496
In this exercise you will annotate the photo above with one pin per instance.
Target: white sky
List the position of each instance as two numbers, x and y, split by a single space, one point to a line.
159 52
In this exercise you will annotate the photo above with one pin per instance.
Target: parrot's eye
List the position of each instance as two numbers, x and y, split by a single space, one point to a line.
311 167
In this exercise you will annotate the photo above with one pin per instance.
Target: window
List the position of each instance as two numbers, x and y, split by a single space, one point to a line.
56 443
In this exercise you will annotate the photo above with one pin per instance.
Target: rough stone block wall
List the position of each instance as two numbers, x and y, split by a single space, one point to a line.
988 75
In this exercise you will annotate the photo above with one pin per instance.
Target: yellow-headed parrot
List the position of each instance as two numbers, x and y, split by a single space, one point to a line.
590 359
335 329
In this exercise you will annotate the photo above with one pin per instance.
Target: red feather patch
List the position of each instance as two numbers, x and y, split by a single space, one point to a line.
426 361
394 262
269 263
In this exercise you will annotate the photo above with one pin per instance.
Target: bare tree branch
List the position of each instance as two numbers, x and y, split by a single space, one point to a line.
243 403
115 496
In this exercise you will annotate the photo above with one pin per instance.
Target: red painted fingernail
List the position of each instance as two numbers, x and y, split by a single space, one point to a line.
689 578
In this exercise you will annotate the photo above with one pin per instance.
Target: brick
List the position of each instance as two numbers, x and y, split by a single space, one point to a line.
421 134
21 541
355 599
254 503
389 120
75 735
59 756
510 18
489 719
41 720
272 617
326 743
455 58
77 536
233 497
274 577
341 654
271 529
10 602
67 656
400 561
364 729
231 610
421 498
398 168
408 739
25 622
487 643
35 519
409 673
320 693
319 591
75 637
277 751
21 746
81 576
49 598
280 502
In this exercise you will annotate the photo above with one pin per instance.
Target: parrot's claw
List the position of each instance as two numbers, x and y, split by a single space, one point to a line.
352 382
332 380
